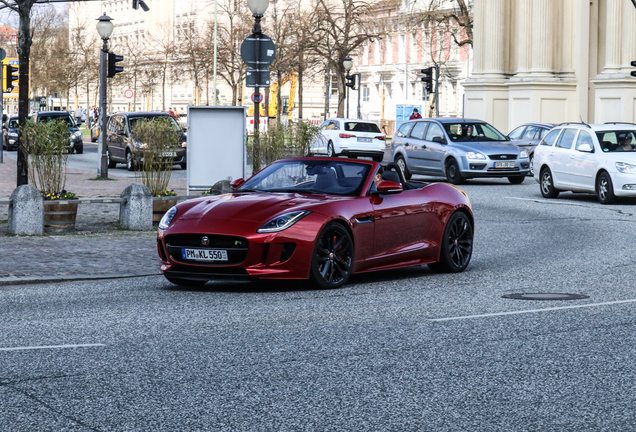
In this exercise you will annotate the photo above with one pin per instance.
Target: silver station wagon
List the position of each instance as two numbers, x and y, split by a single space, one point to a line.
457 149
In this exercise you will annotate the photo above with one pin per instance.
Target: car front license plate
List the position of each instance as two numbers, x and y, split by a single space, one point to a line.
204 254
504 164
168 154
360 139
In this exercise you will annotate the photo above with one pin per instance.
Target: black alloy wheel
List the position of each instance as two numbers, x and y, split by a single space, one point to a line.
333 257
453 175
456 248
516 179
531 166
547 186
605 189
185 282
130 163
399 160
330 150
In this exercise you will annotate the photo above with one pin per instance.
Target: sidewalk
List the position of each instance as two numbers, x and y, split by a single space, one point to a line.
96 249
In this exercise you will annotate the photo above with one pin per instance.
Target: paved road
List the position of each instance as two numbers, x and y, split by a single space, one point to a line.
402 350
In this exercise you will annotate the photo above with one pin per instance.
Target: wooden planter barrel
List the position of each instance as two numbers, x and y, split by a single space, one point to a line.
160 207
59 216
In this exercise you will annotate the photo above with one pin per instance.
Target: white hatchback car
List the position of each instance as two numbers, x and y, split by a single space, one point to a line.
350 137
598 159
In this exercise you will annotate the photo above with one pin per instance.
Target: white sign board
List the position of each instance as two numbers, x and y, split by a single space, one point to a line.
216 145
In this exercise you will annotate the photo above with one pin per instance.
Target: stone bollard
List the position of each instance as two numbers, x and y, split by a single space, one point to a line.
26 211
136 212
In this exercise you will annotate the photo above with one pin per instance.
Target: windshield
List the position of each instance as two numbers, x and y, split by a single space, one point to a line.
617 140
467 132
13 123
353 126
134 120
68 119
309 176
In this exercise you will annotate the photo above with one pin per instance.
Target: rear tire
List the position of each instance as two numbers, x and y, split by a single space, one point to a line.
378 158
399 160
605 189
453 175
330 150
547 185
185 282
456 247
111 163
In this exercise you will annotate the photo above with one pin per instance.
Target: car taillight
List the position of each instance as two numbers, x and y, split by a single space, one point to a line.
381 137
347 136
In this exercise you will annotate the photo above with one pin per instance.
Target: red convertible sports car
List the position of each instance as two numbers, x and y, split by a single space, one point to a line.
321 219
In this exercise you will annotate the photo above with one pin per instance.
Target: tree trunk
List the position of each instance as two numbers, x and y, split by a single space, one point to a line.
300 93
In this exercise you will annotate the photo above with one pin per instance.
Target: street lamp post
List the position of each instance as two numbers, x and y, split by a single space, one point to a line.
348 64
105 29
258 8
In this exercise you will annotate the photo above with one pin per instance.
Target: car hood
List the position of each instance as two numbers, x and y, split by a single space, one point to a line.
253 207
488 147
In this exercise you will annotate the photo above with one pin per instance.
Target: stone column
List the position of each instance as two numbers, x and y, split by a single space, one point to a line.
543 41
135 213
26 211
494 38
613 36
628 39
523 39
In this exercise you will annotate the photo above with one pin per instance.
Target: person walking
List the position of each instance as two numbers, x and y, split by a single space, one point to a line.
78 116
415 115
91 116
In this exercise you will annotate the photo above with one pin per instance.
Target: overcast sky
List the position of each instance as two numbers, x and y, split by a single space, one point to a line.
11 18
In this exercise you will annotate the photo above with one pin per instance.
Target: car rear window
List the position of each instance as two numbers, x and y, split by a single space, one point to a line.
361 127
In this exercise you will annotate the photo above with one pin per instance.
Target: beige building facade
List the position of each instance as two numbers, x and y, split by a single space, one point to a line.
552 61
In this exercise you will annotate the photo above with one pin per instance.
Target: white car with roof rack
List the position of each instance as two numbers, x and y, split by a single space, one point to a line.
589 158
349 137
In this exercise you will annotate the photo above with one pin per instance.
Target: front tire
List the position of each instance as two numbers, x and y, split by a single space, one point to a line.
456 248
185 282
332 260
130 163
111 163
79 150
531 166
516 179
547 185
453 175
605 189
399 160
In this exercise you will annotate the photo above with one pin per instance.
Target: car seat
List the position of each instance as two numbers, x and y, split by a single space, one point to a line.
326 180
393 167
391 176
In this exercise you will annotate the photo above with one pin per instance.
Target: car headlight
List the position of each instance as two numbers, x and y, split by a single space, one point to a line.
140 145
523 154
625 167
475 155
167 218
283 222
77 134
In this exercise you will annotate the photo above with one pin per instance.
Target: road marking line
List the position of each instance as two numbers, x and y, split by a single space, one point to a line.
532 310
51 347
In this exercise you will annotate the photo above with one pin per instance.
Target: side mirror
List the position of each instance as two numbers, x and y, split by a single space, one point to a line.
439 139
235 184
585 148
388 187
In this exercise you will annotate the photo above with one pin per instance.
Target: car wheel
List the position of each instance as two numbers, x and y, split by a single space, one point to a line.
183 165
402 164
453 175
93 139
333 257
111 163
605 189
531 166
130 163
185 282
516 179
547 186
378 158
456 248
330 150
79 150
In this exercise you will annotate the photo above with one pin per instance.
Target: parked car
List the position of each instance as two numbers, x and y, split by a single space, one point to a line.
350 137
183 120
317 218
10 134
76 144
528 136
592 158
458 149
95 130
121 146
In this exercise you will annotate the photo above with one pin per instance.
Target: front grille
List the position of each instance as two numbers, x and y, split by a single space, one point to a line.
503 157
236 247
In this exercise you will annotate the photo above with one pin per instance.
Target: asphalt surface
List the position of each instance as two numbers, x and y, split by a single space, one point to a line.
403 350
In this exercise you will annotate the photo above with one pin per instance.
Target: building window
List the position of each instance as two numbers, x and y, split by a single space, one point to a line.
366 93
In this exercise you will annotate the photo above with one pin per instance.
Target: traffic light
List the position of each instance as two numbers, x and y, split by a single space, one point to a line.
633 73
10 77
113 69
427 78
351 81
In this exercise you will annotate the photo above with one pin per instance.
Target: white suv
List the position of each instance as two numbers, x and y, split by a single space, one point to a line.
350 137
578 157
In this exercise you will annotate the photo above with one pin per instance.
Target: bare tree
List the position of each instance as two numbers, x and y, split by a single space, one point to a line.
345 27
85 46
280 20
190 52
163 46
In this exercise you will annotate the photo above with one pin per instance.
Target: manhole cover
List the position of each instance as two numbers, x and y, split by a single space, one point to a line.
545 296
